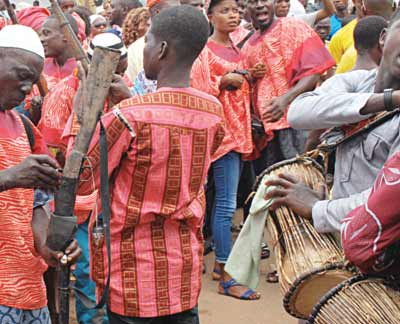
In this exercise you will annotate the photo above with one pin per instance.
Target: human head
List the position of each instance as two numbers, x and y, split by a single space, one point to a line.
261 12
390 40
323 28
155 6
2 5
281 8
36 3
341 5
242 8
120 9
224 15
366 37
110 40
383 8
52 37
176 37
22 57
98 24
136 24
67 5
198 4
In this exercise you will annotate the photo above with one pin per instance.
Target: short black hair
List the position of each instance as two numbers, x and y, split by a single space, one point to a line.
212 4
131 4
367 32
71 21
185 27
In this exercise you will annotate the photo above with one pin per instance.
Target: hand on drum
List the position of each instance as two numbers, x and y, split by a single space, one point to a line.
294 195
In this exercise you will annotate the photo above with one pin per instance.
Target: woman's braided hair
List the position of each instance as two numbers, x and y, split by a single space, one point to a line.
131 23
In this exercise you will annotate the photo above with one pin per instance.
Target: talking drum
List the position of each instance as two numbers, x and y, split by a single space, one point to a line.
309 264
359 300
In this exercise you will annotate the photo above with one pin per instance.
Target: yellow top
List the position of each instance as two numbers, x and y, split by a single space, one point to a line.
342 40
348 61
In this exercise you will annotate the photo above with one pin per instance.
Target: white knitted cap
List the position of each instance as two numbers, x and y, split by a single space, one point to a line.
22 37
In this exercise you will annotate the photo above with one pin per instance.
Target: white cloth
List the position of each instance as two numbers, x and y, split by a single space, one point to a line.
21 37
296 8
108 40
135 58
244 260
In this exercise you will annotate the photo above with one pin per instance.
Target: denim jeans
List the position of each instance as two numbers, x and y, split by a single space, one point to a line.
187 317
226 178
83 284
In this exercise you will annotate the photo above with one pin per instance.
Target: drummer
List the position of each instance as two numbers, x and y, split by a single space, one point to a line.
346 99
371 233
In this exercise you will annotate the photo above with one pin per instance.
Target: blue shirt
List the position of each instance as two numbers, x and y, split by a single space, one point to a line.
336 24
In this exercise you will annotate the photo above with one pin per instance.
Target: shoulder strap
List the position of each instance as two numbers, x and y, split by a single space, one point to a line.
28 130
244 40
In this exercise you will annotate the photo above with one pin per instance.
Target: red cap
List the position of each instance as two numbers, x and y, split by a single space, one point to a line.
33 17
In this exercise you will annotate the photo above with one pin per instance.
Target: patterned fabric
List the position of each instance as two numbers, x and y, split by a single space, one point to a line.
135 58
156 239
56 109
370 231
213 63
21 270
142 85
291 50
9 315
55 73
239 34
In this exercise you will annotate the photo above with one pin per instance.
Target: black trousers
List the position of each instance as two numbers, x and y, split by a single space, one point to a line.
187 317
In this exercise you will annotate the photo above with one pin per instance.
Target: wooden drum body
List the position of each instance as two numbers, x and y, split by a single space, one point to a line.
359 300
309 264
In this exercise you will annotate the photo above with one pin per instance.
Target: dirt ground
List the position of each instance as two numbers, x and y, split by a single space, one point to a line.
218 309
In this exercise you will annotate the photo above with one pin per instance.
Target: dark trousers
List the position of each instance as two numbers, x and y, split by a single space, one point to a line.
190 316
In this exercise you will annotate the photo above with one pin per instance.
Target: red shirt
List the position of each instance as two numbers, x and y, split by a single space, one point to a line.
21 269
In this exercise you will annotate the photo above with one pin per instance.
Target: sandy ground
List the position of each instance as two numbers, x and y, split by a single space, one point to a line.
218 309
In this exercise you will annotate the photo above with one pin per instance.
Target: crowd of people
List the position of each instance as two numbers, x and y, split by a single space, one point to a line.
206 95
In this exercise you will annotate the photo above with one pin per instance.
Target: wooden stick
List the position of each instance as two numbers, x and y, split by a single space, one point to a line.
70 35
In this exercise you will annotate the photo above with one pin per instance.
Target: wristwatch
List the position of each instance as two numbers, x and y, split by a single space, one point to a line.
388 99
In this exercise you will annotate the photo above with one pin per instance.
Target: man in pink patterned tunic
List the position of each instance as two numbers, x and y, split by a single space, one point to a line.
158 162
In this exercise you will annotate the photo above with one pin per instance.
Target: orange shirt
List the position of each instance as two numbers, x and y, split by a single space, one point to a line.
21 269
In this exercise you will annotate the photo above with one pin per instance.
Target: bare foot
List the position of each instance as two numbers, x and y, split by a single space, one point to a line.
237 290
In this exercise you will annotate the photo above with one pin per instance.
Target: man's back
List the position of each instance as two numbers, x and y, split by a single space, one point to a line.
157 199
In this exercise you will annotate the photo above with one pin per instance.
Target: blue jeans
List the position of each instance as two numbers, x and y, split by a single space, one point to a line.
83 284
226 178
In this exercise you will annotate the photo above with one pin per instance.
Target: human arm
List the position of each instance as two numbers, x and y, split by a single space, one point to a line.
376 103
335 103
327 10
36 171
40 223
277 106
326 215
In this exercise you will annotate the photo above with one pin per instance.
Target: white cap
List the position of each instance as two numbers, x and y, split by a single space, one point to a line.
21 37
92 18
107 40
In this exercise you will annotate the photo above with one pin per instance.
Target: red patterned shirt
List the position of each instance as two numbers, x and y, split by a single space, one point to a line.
157 200
290 50
21 269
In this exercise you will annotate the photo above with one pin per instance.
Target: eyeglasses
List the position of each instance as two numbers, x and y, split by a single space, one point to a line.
100 25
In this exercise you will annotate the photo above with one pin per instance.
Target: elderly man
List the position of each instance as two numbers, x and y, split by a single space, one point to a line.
23 167
350 98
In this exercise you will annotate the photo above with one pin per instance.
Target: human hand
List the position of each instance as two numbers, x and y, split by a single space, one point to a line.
396 98
36 171
231 81
294 195
54 258
36 109
258 71
275 108
118 90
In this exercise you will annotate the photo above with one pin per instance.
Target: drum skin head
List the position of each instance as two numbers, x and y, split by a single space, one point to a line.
307 291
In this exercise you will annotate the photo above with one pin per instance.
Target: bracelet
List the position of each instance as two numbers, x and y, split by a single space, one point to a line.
388 99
